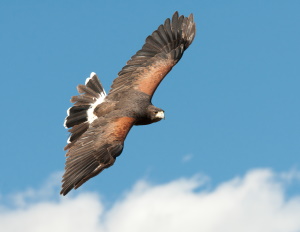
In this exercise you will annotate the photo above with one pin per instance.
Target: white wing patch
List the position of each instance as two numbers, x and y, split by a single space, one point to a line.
90 113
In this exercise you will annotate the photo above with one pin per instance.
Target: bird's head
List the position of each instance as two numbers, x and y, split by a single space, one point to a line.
156 114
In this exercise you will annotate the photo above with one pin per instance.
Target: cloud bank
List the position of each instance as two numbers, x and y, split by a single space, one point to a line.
255 202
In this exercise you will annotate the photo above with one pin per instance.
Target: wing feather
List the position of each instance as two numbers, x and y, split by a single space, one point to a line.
161 51
95 150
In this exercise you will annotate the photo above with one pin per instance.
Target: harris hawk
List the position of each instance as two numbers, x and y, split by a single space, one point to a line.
100 122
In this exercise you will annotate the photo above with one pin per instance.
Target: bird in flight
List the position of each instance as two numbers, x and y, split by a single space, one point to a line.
100 122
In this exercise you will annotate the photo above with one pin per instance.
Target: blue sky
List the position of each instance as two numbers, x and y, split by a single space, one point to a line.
231 103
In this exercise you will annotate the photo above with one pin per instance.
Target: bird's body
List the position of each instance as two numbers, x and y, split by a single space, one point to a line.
100 123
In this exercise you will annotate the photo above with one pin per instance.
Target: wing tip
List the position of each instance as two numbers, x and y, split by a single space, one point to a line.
65 191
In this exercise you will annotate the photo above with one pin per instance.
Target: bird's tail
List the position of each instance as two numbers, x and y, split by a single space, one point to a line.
81 114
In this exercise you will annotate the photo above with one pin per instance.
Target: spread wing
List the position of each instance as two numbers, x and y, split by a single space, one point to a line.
95 150
162 50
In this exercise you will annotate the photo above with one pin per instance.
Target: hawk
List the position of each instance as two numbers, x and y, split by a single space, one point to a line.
100 122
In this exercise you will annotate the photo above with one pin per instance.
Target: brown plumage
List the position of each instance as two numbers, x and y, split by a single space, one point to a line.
99 123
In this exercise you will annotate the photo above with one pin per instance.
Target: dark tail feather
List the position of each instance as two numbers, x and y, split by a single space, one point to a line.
76 115
91 94
94 84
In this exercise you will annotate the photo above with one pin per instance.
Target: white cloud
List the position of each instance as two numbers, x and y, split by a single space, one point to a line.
187 157
256 202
